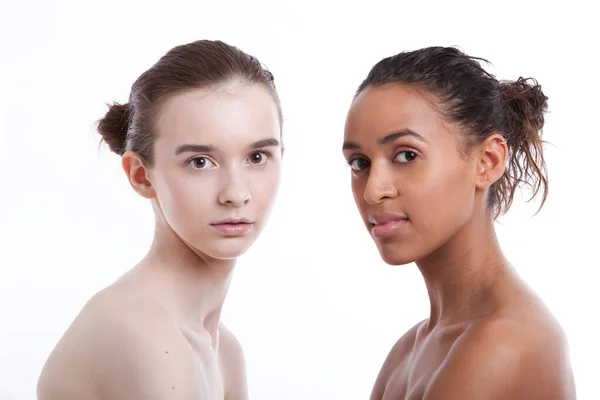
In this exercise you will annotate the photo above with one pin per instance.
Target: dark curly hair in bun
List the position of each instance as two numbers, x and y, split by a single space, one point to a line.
473 98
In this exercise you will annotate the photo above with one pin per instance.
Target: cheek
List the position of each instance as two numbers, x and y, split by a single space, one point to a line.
186 197
445 196
264 185
358 191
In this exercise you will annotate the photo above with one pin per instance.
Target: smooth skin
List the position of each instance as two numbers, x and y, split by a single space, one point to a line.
155 334
488 335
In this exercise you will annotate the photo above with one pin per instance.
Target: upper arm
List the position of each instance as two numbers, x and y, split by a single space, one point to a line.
109 353
233 365
499 361
138 367
394 359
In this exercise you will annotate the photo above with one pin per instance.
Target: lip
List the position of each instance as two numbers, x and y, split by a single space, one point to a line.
233 226
232 221
386 224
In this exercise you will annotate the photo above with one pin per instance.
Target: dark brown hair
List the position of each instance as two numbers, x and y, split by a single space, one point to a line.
200 64
473 98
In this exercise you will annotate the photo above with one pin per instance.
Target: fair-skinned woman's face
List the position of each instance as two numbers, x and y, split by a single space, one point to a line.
217 166
412 186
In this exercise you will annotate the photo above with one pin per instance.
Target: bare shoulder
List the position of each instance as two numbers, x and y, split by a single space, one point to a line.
405 344
395 359
118 347
506 358
231 357
229 342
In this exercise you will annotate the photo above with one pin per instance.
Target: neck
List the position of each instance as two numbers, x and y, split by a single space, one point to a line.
465 275
193 285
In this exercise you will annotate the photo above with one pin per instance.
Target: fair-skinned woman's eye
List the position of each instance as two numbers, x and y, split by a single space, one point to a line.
258 158
201 163
406 156
359 164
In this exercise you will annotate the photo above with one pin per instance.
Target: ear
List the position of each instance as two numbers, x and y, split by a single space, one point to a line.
282 149
137 173
491 160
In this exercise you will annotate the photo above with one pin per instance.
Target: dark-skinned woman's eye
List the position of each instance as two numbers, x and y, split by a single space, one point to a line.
359 164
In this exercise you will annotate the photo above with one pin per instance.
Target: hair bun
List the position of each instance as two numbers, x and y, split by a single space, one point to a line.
114 126
526 105
525 98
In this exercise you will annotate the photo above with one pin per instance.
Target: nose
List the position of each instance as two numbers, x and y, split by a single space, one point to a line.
380 185
235 191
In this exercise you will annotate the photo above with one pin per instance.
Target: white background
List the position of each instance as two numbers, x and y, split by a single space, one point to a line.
312 303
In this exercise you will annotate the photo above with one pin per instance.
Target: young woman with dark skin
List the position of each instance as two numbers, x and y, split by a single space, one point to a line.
437 148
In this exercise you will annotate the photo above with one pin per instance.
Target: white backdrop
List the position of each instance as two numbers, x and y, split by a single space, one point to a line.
312 303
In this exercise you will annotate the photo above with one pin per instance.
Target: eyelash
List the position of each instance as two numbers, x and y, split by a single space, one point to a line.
266 153
191 161
352 159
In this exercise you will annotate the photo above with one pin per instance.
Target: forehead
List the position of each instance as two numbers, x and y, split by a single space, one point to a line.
378 111
219 116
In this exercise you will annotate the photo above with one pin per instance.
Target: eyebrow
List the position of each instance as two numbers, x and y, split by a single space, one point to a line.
265 143
200 148
386 139
194 148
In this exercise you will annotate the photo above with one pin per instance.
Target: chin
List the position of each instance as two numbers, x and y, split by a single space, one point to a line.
226 248
397 260
394 254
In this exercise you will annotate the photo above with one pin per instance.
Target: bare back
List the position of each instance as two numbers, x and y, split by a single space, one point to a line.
125 344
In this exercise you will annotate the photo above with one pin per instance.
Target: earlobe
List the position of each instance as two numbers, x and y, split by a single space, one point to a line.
492 161
137 173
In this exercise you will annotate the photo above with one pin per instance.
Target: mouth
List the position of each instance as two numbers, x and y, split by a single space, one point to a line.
233 226
387 225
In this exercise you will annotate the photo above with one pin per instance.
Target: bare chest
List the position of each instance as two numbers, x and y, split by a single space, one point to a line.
415 373
208 370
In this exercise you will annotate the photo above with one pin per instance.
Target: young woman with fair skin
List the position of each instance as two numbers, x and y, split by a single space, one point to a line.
437 147
199 138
